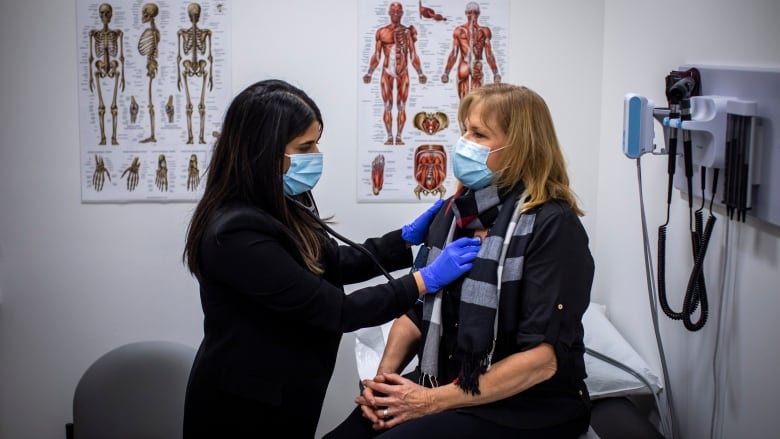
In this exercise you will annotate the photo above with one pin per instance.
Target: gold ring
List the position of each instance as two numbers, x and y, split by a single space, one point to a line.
385 415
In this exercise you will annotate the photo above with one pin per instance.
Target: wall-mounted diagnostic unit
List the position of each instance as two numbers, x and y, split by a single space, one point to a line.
727 118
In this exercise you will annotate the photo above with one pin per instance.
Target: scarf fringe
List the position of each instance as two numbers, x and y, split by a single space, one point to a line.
427 380
472 366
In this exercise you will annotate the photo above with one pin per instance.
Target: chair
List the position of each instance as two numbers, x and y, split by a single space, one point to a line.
133 391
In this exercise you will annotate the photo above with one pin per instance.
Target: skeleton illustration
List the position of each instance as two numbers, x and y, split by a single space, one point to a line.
431 123
430 169
193 174
148 46
100 174
377 174
132 174
133 110
169 109
195 41
161 177
108 45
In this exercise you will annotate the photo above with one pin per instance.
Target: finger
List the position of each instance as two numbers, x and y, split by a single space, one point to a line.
394 378
380 388
466 257
466 242
435 207
368 413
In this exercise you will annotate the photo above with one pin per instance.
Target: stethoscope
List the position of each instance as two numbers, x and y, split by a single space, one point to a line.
312 211
422 254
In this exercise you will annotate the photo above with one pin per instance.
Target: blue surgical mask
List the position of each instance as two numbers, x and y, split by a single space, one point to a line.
469 163
304 173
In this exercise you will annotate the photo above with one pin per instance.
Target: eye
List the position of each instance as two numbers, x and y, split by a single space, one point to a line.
307 147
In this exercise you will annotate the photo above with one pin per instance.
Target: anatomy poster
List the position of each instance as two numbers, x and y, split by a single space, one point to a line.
154 80
416 60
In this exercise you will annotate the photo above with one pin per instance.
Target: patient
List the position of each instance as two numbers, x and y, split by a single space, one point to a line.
501 349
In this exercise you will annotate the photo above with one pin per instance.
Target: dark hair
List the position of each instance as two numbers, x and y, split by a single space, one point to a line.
246 166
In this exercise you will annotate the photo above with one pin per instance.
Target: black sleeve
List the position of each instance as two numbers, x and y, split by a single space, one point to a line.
389 250
557 277
249 260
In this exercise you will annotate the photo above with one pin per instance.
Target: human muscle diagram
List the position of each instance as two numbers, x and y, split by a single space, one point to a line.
431 123
430 170
406 128
156 75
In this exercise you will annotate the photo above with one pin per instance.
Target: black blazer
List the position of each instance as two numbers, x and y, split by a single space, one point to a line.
272 328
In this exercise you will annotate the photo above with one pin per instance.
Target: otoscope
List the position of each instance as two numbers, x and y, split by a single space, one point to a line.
679 88
680 92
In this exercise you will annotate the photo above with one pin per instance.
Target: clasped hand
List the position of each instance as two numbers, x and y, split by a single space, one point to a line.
402 399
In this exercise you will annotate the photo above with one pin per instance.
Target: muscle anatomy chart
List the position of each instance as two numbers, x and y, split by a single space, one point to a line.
416 60
154 77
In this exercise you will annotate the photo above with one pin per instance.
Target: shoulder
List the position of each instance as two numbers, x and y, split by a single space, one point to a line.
555 209
557 216
244 218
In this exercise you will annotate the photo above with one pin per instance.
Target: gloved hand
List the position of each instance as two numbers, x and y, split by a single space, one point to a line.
415 232
454 261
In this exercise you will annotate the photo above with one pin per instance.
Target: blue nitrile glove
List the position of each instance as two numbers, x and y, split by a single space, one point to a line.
415 232
454 261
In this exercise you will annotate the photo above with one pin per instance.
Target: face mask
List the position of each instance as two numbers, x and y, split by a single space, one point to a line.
304 173
469 162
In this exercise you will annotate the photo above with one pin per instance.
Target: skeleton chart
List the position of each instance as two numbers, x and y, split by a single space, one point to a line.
416 58
154 79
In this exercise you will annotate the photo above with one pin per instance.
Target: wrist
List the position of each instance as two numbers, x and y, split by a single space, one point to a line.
418 278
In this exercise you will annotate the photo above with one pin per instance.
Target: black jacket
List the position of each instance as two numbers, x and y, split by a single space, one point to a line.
272 328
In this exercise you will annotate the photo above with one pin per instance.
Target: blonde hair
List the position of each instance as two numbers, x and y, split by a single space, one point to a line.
533 155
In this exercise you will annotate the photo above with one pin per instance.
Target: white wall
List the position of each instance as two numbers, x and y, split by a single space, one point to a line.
639 50
77 280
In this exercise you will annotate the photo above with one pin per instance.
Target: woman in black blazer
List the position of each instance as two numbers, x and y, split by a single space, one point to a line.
271 278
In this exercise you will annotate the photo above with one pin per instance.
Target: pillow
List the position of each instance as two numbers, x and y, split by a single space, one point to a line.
369 344
605 379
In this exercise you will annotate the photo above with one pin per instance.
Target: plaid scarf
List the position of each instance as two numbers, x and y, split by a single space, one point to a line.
501 254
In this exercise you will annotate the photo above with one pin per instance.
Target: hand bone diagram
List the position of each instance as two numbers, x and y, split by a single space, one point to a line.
161 177
133 173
